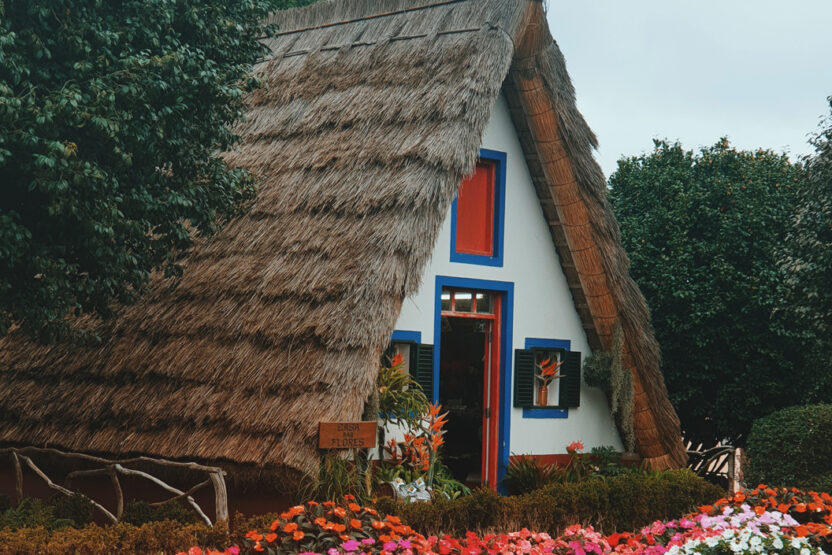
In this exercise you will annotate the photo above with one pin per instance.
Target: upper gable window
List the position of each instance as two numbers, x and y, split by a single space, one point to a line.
478 211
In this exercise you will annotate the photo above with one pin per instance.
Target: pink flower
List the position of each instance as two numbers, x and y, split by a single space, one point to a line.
405 544
233 550
390 546
369 541
349 545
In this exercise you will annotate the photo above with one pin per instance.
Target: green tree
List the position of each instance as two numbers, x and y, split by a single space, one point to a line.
807 257
702 231
112 115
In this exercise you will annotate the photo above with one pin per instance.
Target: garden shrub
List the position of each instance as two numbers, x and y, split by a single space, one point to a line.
140 512
526 473
155 537
31 513
76 510
612 503
791 447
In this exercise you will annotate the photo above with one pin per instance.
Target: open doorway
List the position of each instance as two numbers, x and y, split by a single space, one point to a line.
469 384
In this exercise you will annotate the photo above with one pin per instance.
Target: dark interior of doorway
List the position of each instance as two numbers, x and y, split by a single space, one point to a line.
461 370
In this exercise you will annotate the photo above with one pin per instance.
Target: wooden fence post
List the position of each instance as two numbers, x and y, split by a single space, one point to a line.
18 479
220 497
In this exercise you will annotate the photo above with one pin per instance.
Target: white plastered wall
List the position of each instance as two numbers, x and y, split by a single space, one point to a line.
543 305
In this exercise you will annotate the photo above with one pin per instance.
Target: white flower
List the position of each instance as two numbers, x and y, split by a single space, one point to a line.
777 543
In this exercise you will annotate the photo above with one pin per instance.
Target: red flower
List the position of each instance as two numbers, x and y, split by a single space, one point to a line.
575 446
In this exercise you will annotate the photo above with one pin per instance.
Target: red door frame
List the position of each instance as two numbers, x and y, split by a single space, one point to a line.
491 381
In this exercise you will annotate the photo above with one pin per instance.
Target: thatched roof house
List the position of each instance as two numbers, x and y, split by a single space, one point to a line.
373 114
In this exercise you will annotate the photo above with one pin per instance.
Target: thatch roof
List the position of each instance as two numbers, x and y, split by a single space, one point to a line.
373 114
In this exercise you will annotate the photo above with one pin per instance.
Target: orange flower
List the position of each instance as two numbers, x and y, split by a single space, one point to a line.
340 512
354 507
355 523
800 507
339 528
802 531
275 525
271 537
291 527
344 537
312 503
783 508
706 509
298 535
320 521
759 509
328 503
377 524
258 547
739 497
349 497
398 360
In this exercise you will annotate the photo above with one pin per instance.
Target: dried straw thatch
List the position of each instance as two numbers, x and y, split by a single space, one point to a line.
373 113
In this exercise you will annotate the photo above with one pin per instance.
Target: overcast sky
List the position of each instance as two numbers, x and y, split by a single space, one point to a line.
756 71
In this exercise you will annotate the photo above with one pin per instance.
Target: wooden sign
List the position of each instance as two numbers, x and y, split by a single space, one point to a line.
347 435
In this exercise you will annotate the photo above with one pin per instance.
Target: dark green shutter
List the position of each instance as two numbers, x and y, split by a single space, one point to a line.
523 378
570 381
423 367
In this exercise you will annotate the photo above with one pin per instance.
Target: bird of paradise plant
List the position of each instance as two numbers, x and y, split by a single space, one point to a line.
547 370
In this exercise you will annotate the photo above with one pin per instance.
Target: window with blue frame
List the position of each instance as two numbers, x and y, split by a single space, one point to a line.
547 378
478 213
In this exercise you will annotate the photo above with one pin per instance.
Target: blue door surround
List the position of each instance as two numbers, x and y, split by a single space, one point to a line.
506 289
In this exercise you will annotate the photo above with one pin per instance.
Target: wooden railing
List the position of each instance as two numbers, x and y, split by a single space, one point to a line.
115 468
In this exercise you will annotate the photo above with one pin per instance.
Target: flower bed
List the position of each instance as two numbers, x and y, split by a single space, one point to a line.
763 520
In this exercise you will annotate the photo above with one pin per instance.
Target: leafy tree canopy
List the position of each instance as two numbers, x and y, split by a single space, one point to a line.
111 117
702 231
807 255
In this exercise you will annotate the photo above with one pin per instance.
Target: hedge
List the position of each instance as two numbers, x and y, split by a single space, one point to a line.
154 537
792 447
610 504
619 503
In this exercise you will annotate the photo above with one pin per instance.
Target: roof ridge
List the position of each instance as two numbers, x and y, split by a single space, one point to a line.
371 16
